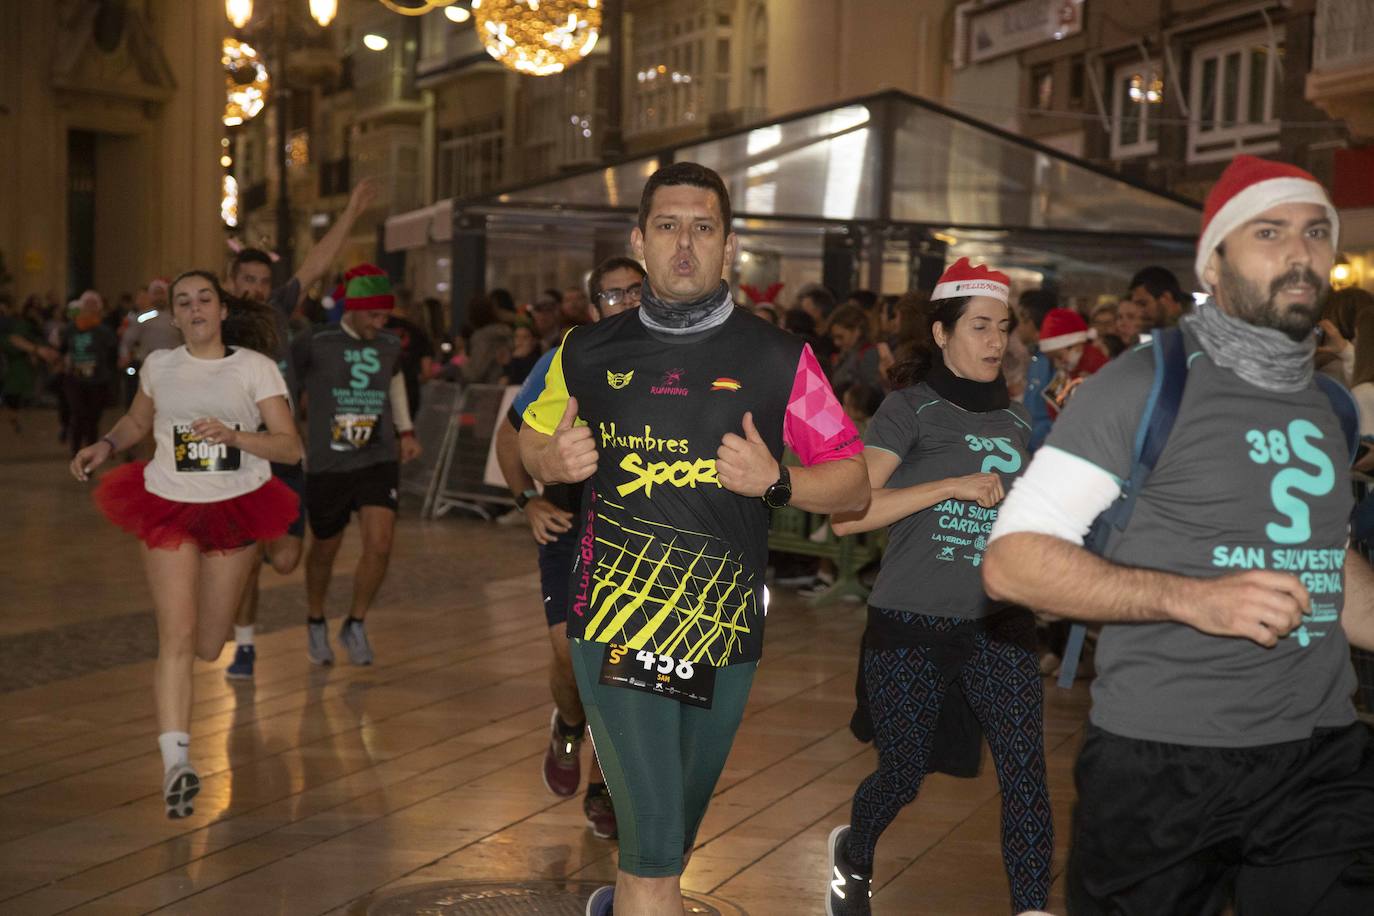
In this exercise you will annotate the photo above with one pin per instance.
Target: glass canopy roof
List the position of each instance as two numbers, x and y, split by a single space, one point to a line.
890 158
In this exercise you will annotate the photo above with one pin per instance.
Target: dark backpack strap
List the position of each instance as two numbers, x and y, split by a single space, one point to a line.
1152 435
1344 407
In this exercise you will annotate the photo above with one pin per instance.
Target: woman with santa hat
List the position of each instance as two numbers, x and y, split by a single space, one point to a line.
218 415
940 660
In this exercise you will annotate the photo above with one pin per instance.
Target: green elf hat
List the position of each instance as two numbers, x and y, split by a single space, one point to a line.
367 289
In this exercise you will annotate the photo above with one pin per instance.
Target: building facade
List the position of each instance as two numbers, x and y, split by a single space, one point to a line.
109 139
1166 92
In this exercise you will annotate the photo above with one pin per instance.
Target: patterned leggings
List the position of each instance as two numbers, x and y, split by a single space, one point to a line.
1002 683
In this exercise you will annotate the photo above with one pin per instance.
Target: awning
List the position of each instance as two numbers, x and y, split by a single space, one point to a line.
418 228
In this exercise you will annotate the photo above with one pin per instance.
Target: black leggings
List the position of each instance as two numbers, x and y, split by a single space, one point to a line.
1001 681
87 402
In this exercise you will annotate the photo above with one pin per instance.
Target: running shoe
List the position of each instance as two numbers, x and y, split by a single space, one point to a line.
317 645
600 903
353 636
242 667
849 890
563 758
179 787
599 811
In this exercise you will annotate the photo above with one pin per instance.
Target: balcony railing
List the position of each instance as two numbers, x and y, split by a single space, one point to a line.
1344 34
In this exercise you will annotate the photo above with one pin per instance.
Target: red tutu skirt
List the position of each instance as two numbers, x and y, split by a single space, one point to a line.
262 515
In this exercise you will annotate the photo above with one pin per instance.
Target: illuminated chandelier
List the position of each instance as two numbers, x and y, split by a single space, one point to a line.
245 80
538 37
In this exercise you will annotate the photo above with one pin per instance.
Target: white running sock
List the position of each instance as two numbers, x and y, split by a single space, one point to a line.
176 748
243 635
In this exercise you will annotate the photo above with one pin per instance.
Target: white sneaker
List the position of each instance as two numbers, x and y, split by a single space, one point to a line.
179 786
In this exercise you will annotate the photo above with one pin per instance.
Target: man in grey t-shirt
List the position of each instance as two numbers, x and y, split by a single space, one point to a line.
1223 758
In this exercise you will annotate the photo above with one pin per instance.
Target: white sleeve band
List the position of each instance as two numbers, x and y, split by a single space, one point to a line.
400 405
1060 495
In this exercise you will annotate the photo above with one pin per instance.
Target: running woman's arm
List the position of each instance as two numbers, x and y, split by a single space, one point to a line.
280 443
131 429
1035 558
1357 618
888 505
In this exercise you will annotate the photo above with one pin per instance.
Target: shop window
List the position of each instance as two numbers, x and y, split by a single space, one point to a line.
1137 98
1233 97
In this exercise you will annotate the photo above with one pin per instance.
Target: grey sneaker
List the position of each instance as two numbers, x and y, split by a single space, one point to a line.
179 787
353 636
317 643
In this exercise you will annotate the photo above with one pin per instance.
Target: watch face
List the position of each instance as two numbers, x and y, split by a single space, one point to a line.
778 495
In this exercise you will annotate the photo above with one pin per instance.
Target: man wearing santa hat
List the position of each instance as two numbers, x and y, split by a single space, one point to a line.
358 425
1224 760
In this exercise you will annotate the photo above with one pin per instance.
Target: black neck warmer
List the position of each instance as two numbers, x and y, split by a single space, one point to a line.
978 397
685 317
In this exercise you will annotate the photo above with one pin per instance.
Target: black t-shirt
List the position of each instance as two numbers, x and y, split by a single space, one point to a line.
668 559
92 353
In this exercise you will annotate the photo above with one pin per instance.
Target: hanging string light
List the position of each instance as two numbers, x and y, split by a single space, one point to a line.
245 80
538 37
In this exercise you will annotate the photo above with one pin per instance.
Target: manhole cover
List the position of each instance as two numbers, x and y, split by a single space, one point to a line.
545 898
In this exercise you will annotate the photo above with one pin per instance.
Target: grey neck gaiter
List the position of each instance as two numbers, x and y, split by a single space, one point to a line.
693 317
1264 357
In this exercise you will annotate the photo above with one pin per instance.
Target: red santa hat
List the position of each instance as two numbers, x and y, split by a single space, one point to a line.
963 279
1062 328
1247 188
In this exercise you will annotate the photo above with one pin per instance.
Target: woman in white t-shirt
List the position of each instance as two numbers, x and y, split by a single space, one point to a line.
207 495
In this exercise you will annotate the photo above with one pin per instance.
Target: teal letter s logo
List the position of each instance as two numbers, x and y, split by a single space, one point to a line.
1301 434
1008 463
365 364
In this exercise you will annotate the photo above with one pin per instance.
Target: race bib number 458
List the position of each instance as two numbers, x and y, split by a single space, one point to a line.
196 456
684 681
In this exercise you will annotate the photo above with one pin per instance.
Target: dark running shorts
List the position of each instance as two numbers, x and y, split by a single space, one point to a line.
1283 829
555 572
332 497
293 475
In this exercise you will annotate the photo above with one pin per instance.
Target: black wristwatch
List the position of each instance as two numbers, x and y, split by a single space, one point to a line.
780 493
523 498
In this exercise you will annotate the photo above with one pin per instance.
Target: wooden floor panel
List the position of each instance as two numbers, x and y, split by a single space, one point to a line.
323 789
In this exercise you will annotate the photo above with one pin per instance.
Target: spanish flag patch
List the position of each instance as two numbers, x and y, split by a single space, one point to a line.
725 384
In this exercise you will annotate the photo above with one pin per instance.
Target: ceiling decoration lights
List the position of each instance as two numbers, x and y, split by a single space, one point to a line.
245 80
322 11
538 37
415 7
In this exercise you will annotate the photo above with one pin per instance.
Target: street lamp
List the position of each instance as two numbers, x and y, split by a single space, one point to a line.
239 13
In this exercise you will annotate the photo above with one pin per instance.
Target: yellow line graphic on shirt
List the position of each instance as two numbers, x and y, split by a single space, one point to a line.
700 597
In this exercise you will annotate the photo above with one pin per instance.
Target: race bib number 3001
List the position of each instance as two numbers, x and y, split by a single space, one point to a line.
684 681
351 431
196 456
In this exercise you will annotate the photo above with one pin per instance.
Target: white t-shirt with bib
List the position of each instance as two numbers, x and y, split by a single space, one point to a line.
185 389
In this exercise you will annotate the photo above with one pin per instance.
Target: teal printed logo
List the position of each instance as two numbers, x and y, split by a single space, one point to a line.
1009 462
365 365
1278 447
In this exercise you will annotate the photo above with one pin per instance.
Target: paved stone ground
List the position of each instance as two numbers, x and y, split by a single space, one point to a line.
53 635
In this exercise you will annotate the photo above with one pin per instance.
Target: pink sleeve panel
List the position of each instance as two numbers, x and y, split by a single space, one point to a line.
816 426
